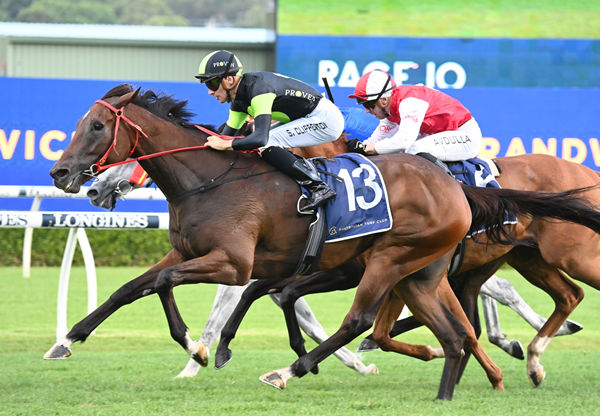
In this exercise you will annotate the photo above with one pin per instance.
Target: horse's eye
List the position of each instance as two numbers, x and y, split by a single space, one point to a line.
97 125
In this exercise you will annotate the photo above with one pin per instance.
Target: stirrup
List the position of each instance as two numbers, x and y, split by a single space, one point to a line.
302 210
315 204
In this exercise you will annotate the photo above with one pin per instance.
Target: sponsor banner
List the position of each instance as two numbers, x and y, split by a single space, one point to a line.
98 220
442 62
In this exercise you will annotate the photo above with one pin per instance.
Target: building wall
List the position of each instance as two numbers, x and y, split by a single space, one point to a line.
112 52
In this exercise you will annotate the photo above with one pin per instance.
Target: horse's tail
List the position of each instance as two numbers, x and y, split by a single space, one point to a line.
490 206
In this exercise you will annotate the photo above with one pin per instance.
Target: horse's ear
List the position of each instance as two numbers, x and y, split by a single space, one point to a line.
127 98
135 94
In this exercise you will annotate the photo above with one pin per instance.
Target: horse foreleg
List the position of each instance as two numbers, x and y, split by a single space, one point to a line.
388 313
565 293
251 293
312 327
126 294
226 299
217 266
494 331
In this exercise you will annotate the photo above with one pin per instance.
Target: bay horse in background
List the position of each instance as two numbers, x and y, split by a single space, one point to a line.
225 229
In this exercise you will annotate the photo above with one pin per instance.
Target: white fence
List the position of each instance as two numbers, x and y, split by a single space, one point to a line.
76 222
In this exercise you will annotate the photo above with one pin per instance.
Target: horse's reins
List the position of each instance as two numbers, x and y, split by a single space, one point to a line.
98 167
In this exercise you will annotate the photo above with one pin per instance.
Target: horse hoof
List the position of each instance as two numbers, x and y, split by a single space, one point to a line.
191 370
201 354
367 345
222 357
273 379
537 376
516 349
573 326
372 369
57 352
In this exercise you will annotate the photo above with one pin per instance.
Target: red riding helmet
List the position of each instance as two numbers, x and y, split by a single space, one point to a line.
372 86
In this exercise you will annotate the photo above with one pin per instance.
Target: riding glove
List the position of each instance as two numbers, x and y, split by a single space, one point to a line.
356 146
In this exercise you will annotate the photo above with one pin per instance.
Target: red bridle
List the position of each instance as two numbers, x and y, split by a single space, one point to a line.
119 115
98 167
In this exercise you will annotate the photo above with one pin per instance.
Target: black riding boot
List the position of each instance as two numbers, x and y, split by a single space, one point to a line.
302 172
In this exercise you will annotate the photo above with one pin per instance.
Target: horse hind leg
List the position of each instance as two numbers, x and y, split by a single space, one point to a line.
372 289
313 328
492 371
565 293
503 292
346 276
429 310
357 321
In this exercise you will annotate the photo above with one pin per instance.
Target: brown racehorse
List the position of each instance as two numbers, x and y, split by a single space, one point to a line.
225 229
560 247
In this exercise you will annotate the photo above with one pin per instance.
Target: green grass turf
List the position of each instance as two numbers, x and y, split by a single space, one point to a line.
442 18
128 366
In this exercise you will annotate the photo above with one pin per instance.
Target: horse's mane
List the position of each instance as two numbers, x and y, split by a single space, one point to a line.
162 105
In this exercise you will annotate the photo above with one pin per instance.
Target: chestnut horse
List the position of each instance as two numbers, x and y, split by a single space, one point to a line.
543 265
560 247
225 229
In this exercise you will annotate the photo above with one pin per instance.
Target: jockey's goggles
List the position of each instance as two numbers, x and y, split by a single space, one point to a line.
213 83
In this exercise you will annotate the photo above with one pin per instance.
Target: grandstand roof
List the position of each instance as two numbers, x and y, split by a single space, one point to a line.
119 33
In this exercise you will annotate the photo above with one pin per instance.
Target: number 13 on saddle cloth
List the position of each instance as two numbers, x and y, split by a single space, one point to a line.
361 206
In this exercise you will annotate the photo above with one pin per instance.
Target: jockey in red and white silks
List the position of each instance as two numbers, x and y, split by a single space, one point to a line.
415 119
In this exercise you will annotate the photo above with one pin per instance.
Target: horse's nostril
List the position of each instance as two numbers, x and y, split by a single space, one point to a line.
92 193
59 173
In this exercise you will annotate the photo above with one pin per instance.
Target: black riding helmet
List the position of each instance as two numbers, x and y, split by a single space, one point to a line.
218 64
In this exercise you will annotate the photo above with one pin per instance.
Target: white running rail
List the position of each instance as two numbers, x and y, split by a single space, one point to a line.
76 222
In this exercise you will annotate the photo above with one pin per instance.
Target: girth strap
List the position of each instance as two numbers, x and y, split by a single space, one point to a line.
311 256
457 258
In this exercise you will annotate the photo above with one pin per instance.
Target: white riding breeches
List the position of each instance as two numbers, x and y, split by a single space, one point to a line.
324 124
451 146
